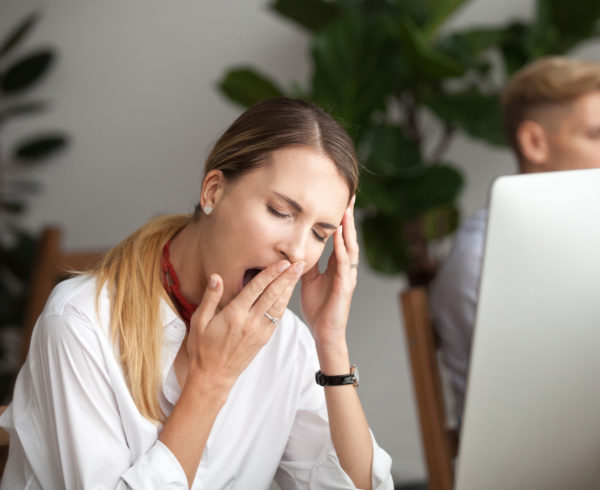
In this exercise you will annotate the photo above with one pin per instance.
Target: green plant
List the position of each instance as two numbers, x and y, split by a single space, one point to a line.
18 75
402 86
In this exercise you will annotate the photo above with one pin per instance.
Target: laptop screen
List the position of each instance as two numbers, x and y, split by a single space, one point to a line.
532 416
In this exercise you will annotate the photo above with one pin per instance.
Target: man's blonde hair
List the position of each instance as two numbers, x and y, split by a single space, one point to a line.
546 82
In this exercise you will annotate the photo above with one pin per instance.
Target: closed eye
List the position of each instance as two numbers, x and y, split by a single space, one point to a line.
274 212
319 237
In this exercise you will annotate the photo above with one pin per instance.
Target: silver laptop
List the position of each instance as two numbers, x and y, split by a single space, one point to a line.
532 416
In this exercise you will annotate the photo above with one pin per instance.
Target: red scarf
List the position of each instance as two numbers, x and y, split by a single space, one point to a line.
171 284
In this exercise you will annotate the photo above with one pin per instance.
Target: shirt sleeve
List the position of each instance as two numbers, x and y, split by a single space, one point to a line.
310 460
69 423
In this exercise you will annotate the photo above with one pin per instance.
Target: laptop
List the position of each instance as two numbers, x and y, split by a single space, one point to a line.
532 414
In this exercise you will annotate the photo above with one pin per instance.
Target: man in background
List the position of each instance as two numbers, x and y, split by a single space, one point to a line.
551 114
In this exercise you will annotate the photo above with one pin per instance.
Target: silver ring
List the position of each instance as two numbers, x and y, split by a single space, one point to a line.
354 265
272 319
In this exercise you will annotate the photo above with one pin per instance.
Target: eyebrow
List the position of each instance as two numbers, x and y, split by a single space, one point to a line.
299 209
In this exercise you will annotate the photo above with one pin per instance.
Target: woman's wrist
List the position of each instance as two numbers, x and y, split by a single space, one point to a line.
206 386
333 358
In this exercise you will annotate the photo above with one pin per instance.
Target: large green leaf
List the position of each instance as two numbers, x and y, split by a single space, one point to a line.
407 198
563 24
310 14
427 63
353 69
440 221
12 206
419 11
517 47
18 34
25 72
39 147
384 243
390 153
477 114
441 11
468 45
247 86
22 109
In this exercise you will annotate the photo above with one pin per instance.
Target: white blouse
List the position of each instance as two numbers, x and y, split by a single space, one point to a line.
73 423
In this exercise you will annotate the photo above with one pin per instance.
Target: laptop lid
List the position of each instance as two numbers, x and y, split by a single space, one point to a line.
532 416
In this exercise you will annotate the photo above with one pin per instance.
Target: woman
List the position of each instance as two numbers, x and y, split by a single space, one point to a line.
175 363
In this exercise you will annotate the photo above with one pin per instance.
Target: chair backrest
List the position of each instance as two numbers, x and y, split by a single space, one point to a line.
51 265
439 443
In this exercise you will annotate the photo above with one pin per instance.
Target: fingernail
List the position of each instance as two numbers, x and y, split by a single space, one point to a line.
283 266
298 267
213 282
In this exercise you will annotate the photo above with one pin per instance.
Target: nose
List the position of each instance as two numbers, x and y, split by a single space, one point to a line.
293 246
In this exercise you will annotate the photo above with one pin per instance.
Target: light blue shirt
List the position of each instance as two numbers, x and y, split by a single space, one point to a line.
453 301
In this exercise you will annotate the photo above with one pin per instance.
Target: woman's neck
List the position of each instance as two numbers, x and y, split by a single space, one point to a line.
185 255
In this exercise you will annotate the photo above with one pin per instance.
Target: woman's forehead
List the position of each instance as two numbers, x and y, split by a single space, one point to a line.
304 175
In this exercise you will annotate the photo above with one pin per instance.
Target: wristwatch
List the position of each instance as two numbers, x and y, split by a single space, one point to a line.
342 379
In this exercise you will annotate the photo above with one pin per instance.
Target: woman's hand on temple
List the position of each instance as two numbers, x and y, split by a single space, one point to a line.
221 345
326 296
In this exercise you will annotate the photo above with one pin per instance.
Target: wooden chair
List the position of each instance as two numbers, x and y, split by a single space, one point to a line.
51 265
439 443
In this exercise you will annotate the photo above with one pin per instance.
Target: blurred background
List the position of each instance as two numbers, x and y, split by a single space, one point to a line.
138 92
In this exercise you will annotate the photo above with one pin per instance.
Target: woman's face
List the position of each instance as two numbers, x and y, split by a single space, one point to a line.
287 209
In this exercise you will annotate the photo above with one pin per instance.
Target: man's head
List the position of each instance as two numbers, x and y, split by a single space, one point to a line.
552 115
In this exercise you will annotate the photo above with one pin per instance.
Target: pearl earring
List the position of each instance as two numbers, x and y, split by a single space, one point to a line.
207 210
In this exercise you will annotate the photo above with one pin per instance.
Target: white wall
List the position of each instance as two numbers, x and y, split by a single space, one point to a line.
135 87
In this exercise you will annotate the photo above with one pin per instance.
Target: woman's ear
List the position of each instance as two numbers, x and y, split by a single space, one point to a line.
212 190
533 142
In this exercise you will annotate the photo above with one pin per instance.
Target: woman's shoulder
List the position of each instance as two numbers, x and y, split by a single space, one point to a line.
79 292
72 305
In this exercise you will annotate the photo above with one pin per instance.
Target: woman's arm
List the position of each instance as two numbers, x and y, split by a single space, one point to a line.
347 422
326 302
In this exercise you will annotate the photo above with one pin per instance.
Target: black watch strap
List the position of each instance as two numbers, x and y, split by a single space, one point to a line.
342 379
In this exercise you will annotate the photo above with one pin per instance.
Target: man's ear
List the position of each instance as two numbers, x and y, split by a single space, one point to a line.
212 188
532 138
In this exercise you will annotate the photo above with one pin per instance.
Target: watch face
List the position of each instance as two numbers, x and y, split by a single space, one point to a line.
354 371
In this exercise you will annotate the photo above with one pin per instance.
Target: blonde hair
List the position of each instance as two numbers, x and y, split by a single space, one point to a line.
131 270
277 123
549 81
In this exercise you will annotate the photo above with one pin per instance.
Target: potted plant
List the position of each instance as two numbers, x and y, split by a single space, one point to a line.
19 73
383 67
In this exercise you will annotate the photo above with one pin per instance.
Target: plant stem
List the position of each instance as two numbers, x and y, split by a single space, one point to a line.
442 145
411 117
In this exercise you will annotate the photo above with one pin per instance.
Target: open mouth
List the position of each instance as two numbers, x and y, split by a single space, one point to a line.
250 274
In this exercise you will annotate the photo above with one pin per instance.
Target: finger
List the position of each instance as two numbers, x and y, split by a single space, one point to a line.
341 254
350 238
277 309
278 290
210 301
255 288
311 274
